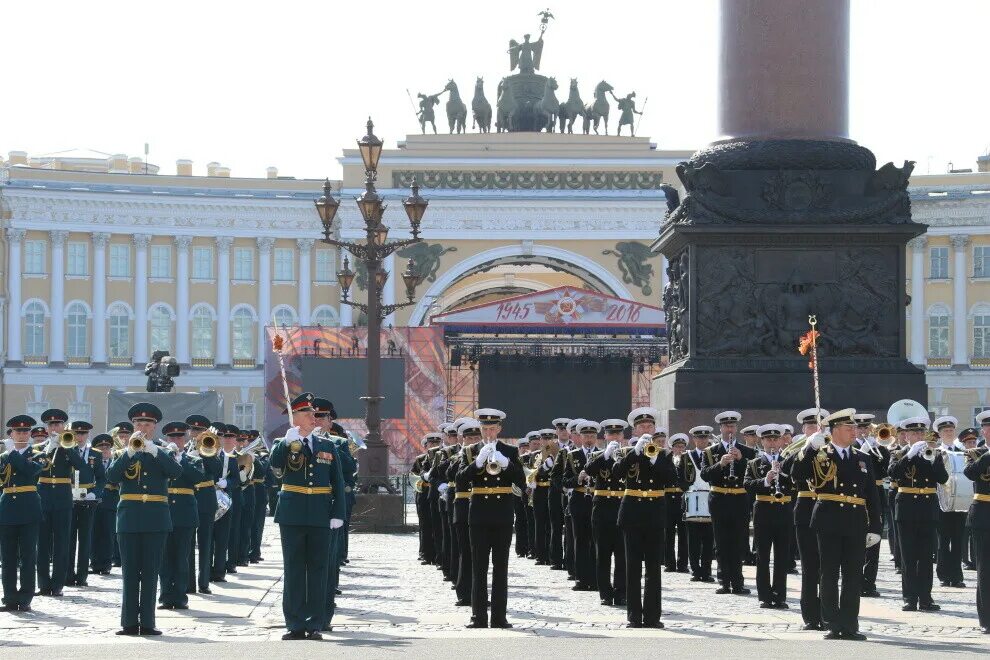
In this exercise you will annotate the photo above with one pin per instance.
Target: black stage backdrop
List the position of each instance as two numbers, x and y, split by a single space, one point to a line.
345 380
533 391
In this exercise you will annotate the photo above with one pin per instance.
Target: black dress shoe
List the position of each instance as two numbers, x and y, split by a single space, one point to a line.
8 608
82 584
654 624
205 591
833 634
463 603
328 628
781 605
242 563
578 587
695 578
870 592
910 607
743 591
854 636
314 635
56 594
958 585
607 601
150 632
24 608
180 607
633 624
294 634
128 630
708 578
929 607
337 592
232 569
812 626
165 606
766 605
723 590
476 624
944 583
501 624
556 567
219 579
986 630
669 569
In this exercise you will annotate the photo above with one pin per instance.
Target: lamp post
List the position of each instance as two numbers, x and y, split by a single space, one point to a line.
373 252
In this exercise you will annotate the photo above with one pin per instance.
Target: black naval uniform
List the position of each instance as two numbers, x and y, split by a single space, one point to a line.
490 520
610 486
522 523
978 521
951 540
462 502
701 541
675 555
580 508
541 513
916 514
772 522
881 462
807 542
729 506
555 511
419 466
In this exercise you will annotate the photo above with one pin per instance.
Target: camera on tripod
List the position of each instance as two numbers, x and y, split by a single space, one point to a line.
161 372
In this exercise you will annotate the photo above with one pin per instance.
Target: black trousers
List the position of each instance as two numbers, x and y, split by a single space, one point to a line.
104 539
951 538
555 513
916 540
569 544
530 529
584 562
489 542
541 525
426 546
203 543
464 574
453 542
80 542
444 558
872 562
675 554
437 527
811 604
772 539
981 557
221 539
841 554
234 540
731 547
892 537
18 553
53 549
609 547
522 528
643 554
701 548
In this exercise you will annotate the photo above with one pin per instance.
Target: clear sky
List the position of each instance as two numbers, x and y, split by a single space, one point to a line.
290 83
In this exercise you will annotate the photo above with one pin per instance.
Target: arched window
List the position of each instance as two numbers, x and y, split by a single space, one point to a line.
242 334
326 317
202 332
161 328
119 321
981 331
77 334
34 329
285 317
938 332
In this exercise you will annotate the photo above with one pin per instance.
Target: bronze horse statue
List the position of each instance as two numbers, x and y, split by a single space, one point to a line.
571 109
504 107
456 110
548 107
597 110
481 109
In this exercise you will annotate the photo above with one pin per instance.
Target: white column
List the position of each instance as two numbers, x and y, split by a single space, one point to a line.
99 352
388 293
56 352
182 244
223 299
305 246
960 320
15 239
917 246
141 242
264 293
346 312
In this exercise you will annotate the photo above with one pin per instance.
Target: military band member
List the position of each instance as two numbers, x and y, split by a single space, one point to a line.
573 442
676 550
881 461
261 476
556 497
534 443
609 485
105 518
724 469
240 551
421 466
977 470
492 474
89 481
701 540
311 503
143 520
582 494
229 481
846 518
237 505
898 443
55 488
20 514
522 524
541 496
951 524
453 443
201 551
772 518
917 469
469 432
184 512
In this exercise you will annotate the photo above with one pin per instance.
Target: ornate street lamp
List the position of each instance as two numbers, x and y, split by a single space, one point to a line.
372 252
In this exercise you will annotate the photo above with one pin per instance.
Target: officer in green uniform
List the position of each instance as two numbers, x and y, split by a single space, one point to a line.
206 500
185 517
104 520
311 503
20 514
88 482
322 413
226 529
262 469
143 519
55 488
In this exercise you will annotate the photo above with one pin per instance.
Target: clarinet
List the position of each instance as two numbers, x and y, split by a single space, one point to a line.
775 464
732 465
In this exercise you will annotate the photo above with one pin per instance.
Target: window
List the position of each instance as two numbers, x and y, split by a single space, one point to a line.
243 263
77 337
284 271
34 329
120 260
77 262
244 415
35 408
938 411
202 333
161 261
284 316
325 266
161 328
326 318
242 335
938 334
119 319
80 411
976 411
981 261
939 268
202 263
34 257
981 336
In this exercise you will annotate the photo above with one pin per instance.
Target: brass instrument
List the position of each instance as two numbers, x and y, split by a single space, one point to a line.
208 444
67 440
652 449
550 450
138 442
245 455
492 467
975 454
883 432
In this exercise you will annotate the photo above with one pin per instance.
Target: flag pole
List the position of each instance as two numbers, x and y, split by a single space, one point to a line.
277 344
813 321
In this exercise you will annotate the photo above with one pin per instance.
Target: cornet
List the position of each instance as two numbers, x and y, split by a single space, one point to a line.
137 442
208 444
492 467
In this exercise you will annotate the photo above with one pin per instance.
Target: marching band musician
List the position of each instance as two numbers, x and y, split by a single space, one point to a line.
468 431
236 492
916 510
977 470
771 518
522 519
701 541
881 461
897 443
535 443
541 497
438 480
229 481
582 493
201 570
492 474
20 514
104 520
184 511
311 503
89 480
420 466
143 519
262 474
951 524
676 550
242 548
326 428
573 442
449 494
609 487
724 469
556 498
845 518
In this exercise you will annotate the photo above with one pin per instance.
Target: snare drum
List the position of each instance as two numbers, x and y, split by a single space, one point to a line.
696 506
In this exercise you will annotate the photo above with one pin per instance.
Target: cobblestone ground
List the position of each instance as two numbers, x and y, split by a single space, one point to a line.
389 595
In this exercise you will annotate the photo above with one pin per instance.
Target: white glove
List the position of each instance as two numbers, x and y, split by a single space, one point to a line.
172 447
52 444
222 484
642 442
917 448
548 463
90 497
244 475
151 448
483 455
816 440
501 459
193 453
8 444
336 523
872 539
293 434
426 475
611 449
443 488
130 451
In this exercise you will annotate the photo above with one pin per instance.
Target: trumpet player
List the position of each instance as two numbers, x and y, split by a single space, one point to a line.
555 496
675 556
867 443
582 494
977 470
609 487
229 481
917 470
546 452
201 564
951 524
20 513
184 510
104 534
468 432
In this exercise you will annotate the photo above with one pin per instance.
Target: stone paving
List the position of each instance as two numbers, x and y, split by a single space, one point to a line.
389 595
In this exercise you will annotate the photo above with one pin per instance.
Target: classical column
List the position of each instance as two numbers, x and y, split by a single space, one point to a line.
15 239
388 292
223 299
305 246
98 354
960 317
182 244
141 241
264 294
346 312
917 246
56 352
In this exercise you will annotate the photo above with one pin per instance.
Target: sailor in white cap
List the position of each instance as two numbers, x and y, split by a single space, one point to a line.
609 489
556 498
846 518
868 443
701 541
524 514
543 456
983 421
577 479
724 470
772 520
469 432
418 472
643 420
572 441
951 524
675 554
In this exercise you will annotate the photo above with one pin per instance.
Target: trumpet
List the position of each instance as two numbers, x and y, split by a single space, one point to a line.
207 443
492 467
975 454
652 449
245 456
66 440
137 442
883 432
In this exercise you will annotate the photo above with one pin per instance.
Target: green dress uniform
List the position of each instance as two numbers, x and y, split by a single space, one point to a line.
55 488
977 470
229 481
262 471
311 496
104 534
20 514
206 501
93 479
184 511
143 522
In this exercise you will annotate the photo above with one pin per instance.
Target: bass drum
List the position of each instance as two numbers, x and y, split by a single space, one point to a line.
223 505
696 506
957 493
